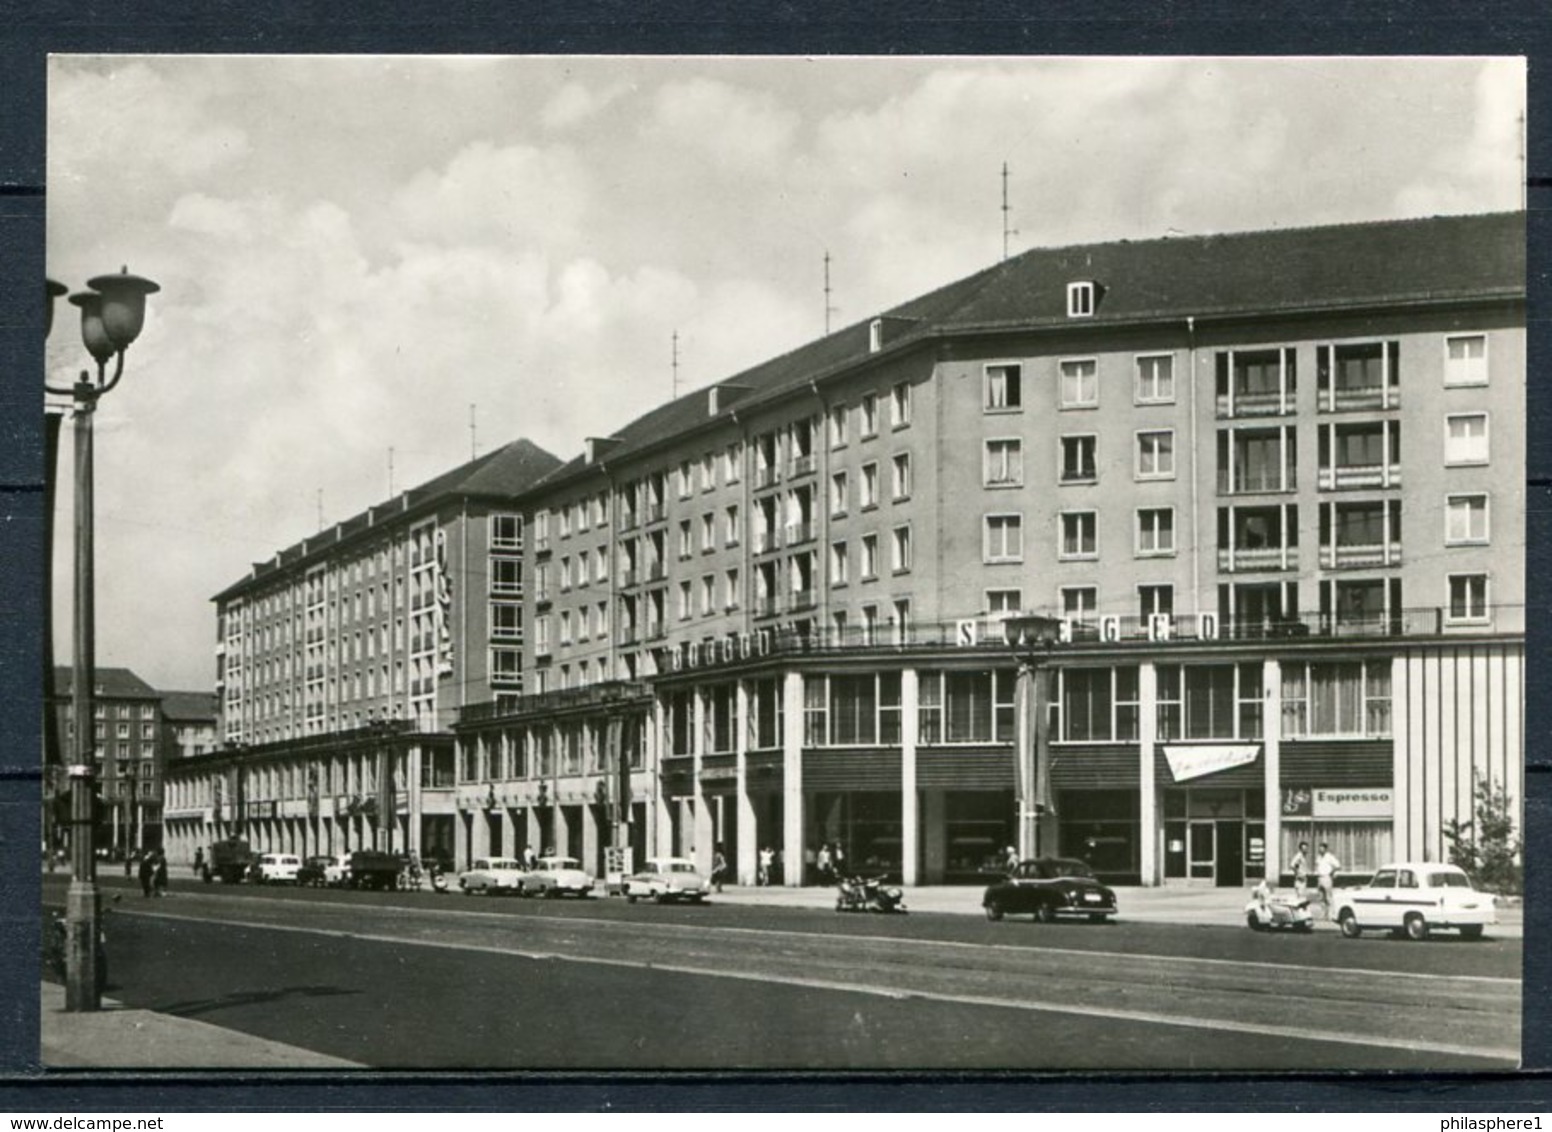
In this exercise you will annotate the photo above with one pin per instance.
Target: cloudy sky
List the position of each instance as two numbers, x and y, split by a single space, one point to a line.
354 251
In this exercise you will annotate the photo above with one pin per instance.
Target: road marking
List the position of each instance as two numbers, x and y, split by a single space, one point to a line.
700 929
1300 1033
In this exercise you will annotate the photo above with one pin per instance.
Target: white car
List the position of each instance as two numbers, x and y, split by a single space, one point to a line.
557 876
492 876
277 868
336 874
664 879
1415 897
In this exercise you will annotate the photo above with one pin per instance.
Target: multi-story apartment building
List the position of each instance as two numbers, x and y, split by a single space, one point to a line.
1270 485
342 662
126 750
192 722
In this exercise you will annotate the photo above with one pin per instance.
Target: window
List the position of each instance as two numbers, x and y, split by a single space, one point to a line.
1155 379
870 624
565 522
1078 459
708 532
869 557
1004 603
600 565
900 405
965 707
900 477
686 479
1465 519
506 576
565 627
1465 359
1155 599
1156 455
1465 438
1080 300
1003 463
732 524
1003 540
1098 705
506 620
734 595
686 539
1155 530
875 336
708 472
505 666
1079 383
837 426
1325 699
601 620
861 710
838 493
840 564
1079 603
733 463
601 509
1078 534
869 486
542 634
1209 701
685 607
1004 388
900 550
902 621
506 532
869 415
1468 597
708 595
565 574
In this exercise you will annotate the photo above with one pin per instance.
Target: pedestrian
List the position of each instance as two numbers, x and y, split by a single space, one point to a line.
1299 866
1326 868
838 860
718 867
129 865
767 858
159 876
1010 859
529 859
199 860
147 874
810 864
822 863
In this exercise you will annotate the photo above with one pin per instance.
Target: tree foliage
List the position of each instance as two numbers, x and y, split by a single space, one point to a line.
1487 847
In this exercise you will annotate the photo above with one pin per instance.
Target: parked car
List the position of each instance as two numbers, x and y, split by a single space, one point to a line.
336 874
277 868
492 876
1048 888
315 871
557 876
1415 897
664 879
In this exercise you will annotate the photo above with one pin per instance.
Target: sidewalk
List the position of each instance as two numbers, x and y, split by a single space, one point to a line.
117 1037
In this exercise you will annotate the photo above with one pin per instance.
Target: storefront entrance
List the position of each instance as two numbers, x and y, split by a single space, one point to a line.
1214 836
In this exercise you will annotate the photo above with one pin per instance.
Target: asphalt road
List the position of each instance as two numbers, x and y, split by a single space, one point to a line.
413 980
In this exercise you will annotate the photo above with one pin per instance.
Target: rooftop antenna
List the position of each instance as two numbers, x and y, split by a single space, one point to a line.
473 436
1006 230
828 310
390 471
675 364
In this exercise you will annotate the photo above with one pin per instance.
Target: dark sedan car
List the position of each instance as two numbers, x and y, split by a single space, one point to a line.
1048 888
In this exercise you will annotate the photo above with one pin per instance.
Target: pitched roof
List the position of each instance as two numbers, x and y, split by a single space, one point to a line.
1436 259
117 683
509 470
194 707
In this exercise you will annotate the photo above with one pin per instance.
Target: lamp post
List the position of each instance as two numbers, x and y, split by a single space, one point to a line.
1031 638
112 314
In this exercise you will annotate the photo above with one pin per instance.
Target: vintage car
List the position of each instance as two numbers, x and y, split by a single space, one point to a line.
492 876
336 873
1413 898
315 871
276 868
556 876
1049 888
664 879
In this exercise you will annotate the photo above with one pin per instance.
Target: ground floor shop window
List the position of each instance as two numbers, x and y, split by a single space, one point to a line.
865 824
1100 828
978 827
1214 835
1361 846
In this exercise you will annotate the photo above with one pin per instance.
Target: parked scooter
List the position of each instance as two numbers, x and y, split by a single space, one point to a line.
438 879
1278 911
867 894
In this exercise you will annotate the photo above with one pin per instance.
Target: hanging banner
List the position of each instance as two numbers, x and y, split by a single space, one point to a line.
444 607
1186 763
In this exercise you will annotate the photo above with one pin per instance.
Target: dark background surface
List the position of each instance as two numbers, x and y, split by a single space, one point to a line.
29 32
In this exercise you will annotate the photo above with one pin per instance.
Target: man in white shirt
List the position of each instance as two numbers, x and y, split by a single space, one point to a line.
1326 868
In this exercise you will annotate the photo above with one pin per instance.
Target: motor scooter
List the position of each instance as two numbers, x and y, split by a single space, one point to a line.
867 894
1279 911
438 880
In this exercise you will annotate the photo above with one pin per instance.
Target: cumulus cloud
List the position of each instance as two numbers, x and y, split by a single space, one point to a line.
576 102
732 129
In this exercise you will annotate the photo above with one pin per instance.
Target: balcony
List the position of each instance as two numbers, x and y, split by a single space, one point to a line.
802 466
766 476
767 542
628 578
801 601
799 533
1355 476
656 631
1258 558
656 572
1257 481
767 606
656 512
1360 557
1358 397
627 521
628 635
1273 404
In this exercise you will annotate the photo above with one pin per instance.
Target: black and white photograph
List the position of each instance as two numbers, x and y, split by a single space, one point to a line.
833 564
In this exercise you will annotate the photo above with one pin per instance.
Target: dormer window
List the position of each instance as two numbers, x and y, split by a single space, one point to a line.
1080 299
875 336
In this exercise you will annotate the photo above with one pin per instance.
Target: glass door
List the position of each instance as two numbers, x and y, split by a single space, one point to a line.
1202 846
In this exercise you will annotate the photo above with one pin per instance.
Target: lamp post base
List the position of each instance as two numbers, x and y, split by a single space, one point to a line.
83 914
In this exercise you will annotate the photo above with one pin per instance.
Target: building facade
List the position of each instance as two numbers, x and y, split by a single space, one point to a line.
192 724
342 662
126 755
1268 485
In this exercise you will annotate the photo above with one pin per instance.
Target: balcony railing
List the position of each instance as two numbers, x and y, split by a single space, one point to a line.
627 521
1346 478
656 512
766 476
800 601
1355 557
592 695
767 606
1258 558
1257 481
628 577
1271 404
799 532
802 465
1342 400
766 541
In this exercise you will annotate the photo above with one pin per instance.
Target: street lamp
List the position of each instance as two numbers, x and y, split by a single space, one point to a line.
1031 638
112 314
